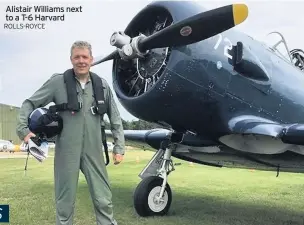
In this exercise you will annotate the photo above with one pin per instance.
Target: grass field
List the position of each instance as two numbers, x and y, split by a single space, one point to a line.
201 195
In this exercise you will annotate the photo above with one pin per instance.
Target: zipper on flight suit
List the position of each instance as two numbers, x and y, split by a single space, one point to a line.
83 111
84 118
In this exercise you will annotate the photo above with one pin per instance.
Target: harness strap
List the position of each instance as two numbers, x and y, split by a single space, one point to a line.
98 93
105 145
62 107
74 105
70 82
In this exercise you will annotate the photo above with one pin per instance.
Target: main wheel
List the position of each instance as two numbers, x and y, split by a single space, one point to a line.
145 197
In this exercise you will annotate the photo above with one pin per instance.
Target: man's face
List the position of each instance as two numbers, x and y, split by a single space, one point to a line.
81 60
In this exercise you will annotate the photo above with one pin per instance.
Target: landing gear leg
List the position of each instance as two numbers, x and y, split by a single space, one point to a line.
153 195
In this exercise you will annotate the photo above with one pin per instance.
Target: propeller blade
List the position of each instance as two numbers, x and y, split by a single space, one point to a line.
196 28
111 56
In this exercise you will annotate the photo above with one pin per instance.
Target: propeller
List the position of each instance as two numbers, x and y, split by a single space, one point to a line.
196 28
111 56
193 29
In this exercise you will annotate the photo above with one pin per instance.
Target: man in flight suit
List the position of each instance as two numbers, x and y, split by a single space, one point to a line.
79 145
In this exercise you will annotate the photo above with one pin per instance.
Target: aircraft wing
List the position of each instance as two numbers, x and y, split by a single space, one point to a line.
147 139
288 133
248 124
259 135
247 133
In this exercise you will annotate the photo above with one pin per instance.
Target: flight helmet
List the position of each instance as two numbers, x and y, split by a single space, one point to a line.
42 122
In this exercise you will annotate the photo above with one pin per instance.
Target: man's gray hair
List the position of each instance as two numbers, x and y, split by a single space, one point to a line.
82 44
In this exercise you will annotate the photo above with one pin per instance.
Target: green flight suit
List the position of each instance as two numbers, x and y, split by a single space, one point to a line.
78 146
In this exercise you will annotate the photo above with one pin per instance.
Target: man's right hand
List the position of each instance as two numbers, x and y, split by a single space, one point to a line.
27 137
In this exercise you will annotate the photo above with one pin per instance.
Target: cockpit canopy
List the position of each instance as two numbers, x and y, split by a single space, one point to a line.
295 56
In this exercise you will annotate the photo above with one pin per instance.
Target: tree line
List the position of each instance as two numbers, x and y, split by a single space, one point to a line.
128 125
135 125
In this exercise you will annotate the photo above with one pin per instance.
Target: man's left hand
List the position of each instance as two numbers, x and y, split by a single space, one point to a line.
117 158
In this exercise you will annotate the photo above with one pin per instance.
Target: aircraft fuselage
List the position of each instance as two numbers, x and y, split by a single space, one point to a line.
200 91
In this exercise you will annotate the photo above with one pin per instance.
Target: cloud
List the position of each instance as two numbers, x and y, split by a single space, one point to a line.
29 57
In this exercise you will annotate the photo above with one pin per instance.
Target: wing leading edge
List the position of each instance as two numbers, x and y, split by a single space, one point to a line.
248 134
144 138
154 137
263 136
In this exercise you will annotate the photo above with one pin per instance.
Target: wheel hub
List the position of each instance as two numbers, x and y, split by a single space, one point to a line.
155 203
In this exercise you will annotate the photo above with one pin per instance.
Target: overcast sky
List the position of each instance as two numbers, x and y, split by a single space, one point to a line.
29 58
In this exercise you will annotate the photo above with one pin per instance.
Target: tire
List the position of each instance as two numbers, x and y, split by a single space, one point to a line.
146 190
